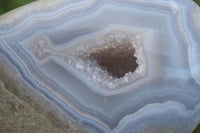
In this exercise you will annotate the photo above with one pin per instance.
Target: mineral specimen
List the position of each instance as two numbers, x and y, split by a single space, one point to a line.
123 66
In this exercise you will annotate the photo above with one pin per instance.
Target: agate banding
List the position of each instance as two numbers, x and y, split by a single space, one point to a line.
123 66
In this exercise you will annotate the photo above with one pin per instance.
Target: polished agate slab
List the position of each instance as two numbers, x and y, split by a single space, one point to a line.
123 66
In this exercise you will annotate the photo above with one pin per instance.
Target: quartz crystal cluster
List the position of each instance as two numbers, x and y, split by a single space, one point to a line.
121 66
107 60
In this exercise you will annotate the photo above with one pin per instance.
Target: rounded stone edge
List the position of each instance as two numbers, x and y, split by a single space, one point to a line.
12 81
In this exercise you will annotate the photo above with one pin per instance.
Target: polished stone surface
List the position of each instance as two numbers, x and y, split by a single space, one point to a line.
60 50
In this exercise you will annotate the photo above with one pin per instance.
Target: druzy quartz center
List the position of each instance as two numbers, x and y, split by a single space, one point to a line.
108 59
116 60
115 66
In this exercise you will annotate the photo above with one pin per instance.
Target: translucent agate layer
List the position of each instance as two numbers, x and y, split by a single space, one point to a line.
122 66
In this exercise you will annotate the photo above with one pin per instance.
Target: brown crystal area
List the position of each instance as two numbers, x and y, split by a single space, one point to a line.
116 59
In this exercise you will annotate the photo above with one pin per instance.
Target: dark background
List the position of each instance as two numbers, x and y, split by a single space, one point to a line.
7 5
